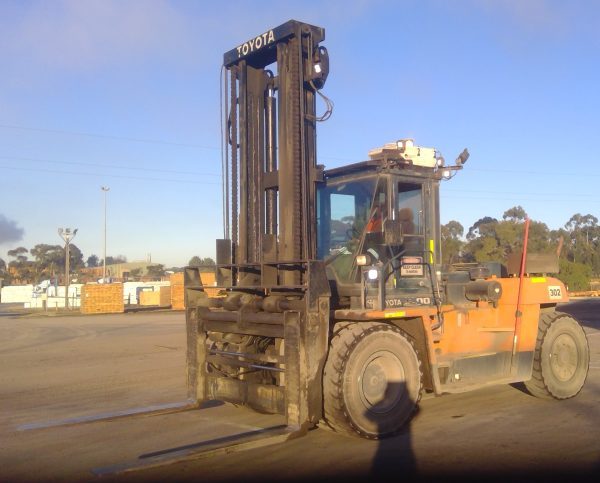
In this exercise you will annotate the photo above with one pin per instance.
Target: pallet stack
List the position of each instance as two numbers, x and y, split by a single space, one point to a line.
160 297
102 298
208 280
177 292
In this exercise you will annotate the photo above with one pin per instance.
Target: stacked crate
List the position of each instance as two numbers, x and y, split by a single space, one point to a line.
177 292
164 298
148 297
209 281
102 298
160 297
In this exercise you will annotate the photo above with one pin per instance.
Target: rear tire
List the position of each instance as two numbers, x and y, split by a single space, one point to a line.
372 380
561 359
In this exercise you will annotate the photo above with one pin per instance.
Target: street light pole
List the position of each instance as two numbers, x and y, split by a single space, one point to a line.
105 189
67 235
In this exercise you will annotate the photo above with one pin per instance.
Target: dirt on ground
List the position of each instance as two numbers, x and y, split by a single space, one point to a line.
70 369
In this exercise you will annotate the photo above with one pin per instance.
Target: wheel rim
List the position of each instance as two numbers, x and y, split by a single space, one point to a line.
564 357
382 383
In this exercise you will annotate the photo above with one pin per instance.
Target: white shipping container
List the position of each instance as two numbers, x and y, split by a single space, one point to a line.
16 294
130 289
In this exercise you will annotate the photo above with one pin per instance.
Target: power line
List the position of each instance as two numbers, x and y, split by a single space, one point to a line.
517 193
192 181
195 173
105 136
537 173
80 173
115 166
215 148
523 200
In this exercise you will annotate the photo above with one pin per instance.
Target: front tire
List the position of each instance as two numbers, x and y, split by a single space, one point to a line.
372 380
561 359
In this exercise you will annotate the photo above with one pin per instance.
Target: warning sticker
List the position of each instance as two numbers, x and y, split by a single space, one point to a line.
411 267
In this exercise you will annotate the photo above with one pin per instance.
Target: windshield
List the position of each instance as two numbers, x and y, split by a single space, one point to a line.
346 210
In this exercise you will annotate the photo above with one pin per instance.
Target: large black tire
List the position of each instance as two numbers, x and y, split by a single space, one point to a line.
372 380
561 359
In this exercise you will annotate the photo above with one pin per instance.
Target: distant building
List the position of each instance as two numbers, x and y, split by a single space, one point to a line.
119 272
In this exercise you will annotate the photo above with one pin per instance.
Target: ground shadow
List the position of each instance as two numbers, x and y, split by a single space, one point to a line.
394 458
520 386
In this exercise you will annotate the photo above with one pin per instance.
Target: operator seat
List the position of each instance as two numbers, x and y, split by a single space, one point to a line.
412 241
405 216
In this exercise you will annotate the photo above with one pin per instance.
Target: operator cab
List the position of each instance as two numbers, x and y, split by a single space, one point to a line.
377 227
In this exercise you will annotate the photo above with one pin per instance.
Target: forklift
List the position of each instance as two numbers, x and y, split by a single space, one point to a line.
334 307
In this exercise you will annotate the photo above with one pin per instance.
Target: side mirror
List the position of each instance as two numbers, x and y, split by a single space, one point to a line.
392 232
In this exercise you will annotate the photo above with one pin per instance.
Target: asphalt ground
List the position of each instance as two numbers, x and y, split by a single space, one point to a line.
59 374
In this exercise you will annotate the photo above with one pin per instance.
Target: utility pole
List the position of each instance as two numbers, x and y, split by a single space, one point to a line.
67 235
105 189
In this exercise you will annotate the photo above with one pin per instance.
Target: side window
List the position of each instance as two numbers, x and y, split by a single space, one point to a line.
410 208
409 203
342 219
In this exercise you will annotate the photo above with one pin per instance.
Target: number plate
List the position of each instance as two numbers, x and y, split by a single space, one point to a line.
554 292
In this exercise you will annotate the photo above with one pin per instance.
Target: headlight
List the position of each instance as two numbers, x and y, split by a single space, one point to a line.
373 274
363 260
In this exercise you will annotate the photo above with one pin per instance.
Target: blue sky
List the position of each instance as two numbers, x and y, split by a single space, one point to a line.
125 94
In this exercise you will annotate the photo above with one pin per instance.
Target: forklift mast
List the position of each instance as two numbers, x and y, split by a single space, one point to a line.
263 343
270 169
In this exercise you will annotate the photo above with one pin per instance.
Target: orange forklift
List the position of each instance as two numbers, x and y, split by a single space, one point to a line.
334 307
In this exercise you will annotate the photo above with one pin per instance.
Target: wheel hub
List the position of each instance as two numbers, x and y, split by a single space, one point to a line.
563 357
382 383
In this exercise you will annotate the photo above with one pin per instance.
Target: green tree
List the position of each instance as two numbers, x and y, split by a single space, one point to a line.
24 268
135 273
481 227
48 260
92 261
516 213
576 276
18 253
114 260
45 254
452 244
5 277
196 261
493 240
541 239
482 241
75 257
582 241
155 271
